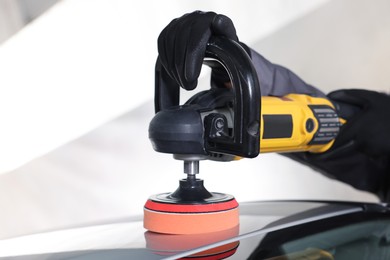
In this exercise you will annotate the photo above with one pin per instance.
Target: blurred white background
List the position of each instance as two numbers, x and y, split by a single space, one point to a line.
76 98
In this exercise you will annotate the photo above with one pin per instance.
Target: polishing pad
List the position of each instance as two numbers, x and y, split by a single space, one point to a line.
163 213
169 245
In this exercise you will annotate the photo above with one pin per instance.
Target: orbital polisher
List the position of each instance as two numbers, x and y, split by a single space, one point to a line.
225 124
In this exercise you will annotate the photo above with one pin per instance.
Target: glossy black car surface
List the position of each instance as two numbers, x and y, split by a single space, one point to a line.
267 230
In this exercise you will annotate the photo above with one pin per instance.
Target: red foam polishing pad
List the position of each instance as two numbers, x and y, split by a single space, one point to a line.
162 215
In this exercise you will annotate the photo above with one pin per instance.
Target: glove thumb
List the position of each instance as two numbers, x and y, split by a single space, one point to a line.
223 26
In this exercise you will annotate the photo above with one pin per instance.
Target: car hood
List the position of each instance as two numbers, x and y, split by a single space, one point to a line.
129 240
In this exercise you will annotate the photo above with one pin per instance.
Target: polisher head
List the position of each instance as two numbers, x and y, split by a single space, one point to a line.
191 209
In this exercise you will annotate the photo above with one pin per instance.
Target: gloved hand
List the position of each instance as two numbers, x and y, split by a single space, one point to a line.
369 128
360 155
182 44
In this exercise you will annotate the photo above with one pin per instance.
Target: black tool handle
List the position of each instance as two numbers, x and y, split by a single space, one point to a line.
232 56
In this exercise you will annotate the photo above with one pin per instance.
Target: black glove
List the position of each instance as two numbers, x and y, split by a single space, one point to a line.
369 128
360 155
182 44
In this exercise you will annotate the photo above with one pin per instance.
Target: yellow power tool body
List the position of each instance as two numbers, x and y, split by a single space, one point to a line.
296 123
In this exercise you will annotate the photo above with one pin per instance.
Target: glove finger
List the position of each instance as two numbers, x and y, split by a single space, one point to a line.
223 25
200 33
179 57
172 46
165 46
161 46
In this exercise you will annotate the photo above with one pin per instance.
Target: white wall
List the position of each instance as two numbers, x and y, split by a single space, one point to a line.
11 19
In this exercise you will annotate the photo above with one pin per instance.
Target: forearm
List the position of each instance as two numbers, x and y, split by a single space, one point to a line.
276 80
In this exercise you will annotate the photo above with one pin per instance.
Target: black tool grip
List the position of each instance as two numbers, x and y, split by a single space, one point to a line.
234 59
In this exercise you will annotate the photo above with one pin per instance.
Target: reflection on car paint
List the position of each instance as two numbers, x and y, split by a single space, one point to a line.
168 244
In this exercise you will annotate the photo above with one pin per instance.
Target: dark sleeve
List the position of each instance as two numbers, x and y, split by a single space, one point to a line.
276 80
